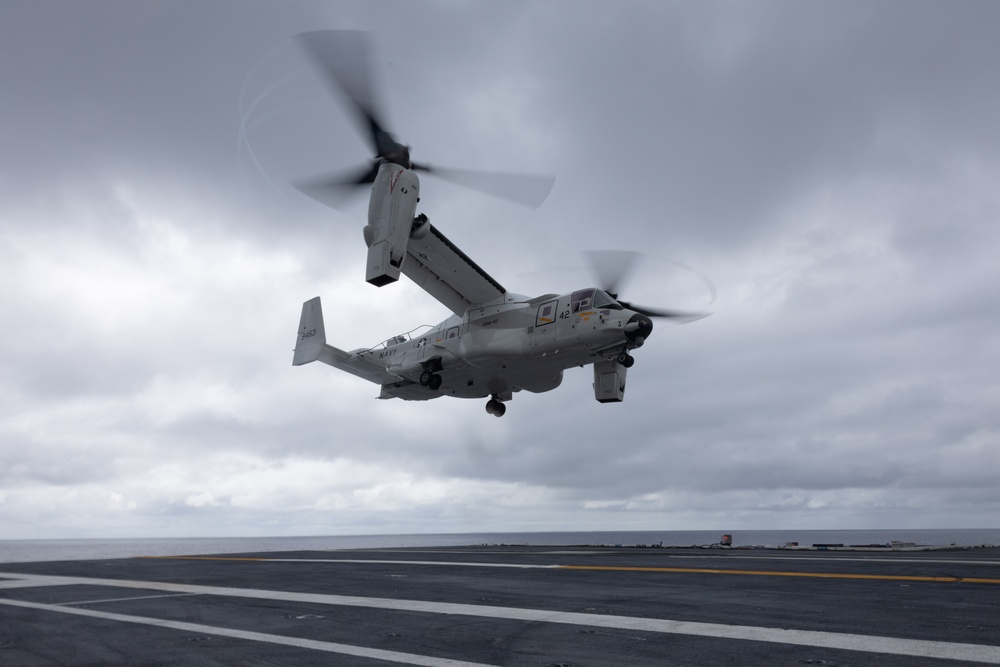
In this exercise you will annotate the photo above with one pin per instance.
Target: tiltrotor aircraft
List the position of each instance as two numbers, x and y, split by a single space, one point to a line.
496 343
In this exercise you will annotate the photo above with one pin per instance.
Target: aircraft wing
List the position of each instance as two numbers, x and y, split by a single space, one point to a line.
448 274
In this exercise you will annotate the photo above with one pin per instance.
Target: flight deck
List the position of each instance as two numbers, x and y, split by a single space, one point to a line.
507 605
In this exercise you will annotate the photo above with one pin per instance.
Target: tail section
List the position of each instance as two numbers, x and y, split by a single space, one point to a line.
311 345
312 335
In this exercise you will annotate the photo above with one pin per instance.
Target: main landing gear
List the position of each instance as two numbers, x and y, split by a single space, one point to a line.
430 379
495 407
625 359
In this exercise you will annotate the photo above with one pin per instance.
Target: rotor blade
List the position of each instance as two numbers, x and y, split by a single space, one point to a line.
334 190
613 267
682 315
343 58
525 189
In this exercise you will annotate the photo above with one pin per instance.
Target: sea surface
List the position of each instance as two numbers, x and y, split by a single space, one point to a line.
21 551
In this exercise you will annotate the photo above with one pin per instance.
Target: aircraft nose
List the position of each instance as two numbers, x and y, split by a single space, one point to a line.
638 328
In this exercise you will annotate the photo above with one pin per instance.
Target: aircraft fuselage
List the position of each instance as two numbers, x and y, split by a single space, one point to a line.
520 344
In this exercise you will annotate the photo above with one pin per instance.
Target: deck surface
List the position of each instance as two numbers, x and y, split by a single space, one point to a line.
506 605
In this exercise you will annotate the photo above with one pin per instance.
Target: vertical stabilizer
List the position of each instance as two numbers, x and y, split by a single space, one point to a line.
312 335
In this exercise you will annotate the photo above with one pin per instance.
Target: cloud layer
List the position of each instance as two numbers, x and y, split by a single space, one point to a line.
831 168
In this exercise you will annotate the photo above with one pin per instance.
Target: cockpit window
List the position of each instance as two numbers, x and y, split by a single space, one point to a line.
581 300
603 300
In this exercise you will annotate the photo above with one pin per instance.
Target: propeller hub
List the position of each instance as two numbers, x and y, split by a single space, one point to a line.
397 154
638 328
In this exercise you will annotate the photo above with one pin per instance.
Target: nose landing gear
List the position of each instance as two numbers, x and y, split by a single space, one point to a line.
495 407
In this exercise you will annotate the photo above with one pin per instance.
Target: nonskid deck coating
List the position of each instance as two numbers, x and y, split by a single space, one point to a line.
506 605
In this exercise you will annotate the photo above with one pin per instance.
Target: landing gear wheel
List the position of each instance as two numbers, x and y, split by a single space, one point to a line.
430 379
496 408
625 359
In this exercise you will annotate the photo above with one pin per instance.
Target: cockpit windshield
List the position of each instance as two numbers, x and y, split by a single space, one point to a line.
604 300
587 299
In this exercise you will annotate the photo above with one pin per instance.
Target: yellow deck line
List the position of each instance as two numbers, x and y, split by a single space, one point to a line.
781 573
624 568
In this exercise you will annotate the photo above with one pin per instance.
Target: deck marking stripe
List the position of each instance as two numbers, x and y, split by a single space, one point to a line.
984 653
316 645
22 583
780 573
516 566
728 555
130 599
231 558
612 568
847 559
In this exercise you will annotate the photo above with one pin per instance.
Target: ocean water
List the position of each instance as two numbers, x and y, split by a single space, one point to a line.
19 551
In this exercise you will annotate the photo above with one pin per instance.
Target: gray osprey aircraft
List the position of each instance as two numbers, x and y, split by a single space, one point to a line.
496 343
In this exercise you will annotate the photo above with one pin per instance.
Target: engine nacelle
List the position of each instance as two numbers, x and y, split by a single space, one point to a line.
390 219
609 381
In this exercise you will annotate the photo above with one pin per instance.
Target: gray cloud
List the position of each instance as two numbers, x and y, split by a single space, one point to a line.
831 168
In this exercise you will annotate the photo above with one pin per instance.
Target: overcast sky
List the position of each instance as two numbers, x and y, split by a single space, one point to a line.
832 167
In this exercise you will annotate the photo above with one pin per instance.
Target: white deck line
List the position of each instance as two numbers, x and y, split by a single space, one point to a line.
516 566
283 640
981 653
